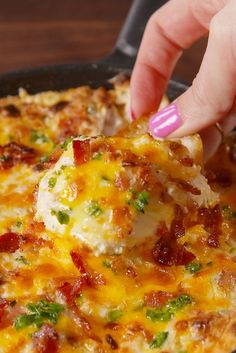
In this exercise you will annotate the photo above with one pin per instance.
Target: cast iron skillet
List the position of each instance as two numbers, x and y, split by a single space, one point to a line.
94 74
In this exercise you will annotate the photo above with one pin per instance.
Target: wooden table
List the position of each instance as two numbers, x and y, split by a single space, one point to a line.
34 33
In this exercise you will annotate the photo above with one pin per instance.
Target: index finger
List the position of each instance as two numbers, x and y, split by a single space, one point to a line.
171 29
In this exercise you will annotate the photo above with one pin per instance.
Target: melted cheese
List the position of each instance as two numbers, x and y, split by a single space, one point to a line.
89 196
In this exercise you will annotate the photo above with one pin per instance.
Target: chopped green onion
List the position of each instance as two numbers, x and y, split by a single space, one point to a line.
159 314
169 309
52 182
23 260
106 263
97 156
39 313
193 267
94 209
140 200
36 137
62 216
158 340
66 142
114 315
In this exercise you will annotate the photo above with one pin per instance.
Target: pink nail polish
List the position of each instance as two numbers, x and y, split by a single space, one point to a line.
164 122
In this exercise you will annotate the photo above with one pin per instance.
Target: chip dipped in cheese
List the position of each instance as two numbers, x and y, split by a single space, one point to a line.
111 193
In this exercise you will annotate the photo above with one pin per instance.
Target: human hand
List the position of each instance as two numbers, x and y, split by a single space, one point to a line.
211 98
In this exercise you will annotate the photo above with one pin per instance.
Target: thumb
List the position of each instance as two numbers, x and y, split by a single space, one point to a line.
212 94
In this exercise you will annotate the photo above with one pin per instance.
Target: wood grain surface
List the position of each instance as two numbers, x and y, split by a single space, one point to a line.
34 33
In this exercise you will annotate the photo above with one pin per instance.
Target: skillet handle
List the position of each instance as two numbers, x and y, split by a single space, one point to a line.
129 39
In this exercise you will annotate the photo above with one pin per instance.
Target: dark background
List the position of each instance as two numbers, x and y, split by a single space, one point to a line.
34 33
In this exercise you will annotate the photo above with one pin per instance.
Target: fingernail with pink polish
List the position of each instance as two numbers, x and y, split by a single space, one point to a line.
164 122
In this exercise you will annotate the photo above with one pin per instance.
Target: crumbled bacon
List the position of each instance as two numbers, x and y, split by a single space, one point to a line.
10 242
78 261
3 306
11 110
130 272
13 153
156 299
70 291
211 219
227 280
167 251
184 185
92 278
186 161
177 227
110 340
59 106
46 340
82 151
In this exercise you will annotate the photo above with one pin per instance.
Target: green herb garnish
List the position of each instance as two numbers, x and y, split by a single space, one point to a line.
163 314
140 200
106 263
62 216
52 182
228 213
114 315
193 267
23 260
44 159
169 309
94 209
39 313
66 142
36 137
158 340
97 156
18 224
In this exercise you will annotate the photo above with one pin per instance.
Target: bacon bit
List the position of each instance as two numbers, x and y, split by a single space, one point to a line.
10 242
186 161
78 261
175 146
184 185
136 327
211 219
82 151
181 325
3 306
13 153
110 340
121 217
92 278
122 181
130 272
168 252
80 320
11 110
46 340
59 106
227 280
71 291
177 228
112 326
156 299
